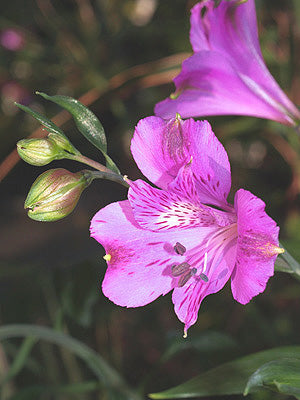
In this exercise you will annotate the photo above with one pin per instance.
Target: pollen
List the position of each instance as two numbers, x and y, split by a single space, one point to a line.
107 257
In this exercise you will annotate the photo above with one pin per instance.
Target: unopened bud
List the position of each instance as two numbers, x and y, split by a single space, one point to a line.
55 193
63 142
39 151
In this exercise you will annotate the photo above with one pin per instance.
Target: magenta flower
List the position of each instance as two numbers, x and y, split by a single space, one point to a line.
184 236
227 73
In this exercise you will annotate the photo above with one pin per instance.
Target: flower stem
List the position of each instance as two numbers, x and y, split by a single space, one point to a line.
111 176
102 173
88 161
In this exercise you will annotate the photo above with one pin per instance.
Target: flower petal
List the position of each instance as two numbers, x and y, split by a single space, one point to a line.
163 149
160 148
206 178
139 261
229 28
187 299
209 85
213 84
160 210
257 247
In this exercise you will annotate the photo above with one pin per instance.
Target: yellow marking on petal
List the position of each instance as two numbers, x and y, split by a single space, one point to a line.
107 257
178 116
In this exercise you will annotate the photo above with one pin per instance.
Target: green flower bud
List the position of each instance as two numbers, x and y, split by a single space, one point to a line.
39 151
63 142
55 193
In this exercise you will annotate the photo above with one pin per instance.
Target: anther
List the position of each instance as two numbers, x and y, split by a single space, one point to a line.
179 248
180 269
184 278
203 277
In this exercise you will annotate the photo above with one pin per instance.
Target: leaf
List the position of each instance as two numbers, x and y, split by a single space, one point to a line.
231 377
86 121
108 376
281 376
289 259
283 266
48 124
53 129
19 360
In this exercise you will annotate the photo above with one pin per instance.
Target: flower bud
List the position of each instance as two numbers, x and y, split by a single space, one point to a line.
39 151
55 193
63 142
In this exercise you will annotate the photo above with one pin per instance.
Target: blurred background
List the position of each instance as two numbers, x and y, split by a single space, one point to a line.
119 58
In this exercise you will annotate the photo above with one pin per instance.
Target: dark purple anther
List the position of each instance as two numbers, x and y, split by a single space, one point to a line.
179 248
184 278
179 269
203 277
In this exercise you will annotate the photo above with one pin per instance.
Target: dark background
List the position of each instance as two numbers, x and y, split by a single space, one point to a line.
51 273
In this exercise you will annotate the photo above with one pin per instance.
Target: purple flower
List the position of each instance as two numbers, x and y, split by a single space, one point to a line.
184 236
227 73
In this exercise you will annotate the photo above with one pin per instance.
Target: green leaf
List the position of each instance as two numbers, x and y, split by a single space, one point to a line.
293 264
55 132
87 123
281 376
231 377
48 124
19 360
107 375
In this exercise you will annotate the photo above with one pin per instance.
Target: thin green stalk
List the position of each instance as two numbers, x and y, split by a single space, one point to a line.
106 374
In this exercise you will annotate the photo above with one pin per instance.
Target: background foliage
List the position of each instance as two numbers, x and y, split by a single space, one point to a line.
51 273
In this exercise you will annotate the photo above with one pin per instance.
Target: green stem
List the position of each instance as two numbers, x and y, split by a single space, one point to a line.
102 173
88 161
111 176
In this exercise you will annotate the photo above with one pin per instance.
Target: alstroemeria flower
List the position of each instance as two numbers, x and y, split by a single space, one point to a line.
227 73
184 236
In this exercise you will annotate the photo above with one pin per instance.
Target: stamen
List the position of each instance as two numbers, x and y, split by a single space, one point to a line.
184 333
180 269
107 257
184 278
179 248
203 277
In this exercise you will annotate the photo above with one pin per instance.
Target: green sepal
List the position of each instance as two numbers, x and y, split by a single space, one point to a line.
55 133
87 123
281 376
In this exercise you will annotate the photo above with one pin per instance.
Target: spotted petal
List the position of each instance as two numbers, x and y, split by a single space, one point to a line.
160 148
257 247
217 260
163 149
140 261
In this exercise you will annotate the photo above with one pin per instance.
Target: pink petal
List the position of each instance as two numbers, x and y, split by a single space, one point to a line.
230 29
160 148
207 176
160 210
257 247
209 85
212 84
139 270
187 299
163 149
